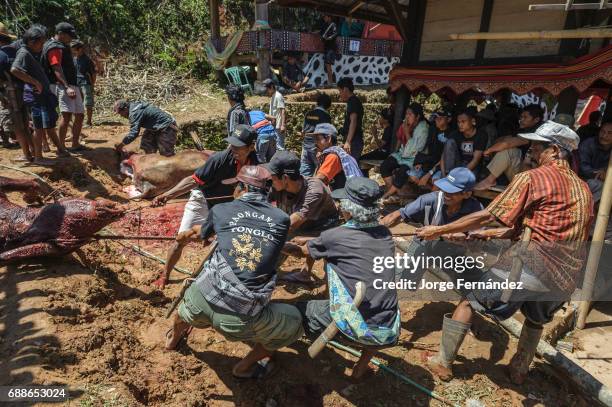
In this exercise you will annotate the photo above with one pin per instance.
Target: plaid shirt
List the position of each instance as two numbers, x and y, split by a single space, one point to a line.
558 207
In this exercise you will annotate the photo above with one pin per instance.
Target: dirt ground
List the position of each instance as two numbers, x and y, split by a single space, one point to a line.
94 323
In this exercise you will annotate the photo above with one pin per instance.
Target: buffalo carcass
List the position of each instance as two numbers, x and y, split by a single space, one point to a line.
153 174
55 229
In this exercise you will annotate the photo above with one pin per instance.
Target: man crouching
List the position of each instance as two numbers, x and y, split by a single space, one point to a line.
232 294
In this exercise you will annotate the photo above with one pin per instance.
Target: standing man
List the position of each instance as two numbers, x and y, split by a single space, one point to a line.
57 60
237 114
352 129
27 69
86 77
206 188
160 127
232 294
558 208
316 116
329 33
277 113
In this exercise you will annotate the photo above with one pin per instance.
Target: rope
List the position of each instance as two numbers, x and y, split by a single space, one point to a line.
400 376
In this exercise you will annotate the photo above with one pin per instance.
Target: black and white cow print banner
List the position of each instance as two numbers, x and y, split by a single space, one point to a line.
364 70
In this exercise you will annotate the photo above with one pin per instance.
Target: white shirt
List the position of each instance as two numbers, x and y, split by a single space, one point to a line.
276 104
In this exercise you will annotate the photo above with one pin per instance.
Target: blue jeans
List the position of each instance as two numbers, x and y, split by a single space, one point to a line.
309 160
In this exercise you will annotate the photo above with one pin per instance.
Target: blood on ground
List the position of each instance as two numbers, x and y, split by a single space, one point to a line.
163 221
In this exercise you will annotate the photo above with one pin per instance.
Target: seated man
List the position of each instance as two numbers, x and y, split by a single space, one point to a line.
266 135
232 294
384 144
592 128
465 148
318 115
351 251
508 151
594 158
453 201
307 200
428 161
293 74
335 164
160 127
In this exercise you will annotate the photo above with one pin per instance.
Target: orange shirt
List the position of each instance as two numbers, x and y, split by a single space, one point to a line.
330 167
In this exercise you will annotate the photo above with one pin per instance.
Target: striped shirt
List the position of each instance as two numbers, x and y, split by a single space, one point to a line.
558 207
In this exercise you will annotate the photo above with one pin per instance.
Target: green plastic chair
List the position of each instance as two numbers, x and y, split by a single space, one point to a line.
235 75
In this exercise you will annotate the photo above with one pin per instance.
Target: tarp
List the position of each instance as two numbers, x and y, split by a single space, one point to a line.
218 60
579 74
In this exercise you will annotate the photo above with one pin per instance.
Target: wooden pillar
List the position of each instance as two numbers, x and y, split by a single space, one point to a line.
567 99
263 53
215 26
402 100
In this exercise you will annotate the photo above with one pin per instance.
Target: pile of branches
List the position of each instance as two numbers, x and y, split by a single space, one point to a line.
124 80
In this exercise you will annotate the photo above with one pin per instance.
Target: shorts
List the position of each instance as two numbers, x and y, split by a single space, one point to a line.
43 117
488 302
66 103
196 211
330 57
6 121
315 316
162 141
88 95
276 326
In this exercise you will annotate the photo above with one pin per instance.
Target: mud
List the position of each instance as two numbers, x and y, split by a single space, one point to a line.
93 321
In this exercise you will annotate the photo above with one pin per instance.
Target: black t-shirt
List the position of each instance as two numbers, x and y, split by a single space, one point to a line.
293 72
250 235
467 146
351 253
219 166
353 105
387 139
85 69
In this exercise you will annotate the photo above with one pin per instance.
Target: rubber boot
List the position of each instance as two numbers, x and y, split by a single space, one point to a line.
453 333
525 351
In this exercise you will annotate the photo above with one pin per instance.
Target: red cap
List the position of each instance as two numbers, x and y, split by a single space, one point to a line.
253 175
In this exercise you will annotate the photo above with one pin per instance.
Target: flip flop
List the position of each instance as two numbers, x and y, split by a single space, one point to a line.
262 370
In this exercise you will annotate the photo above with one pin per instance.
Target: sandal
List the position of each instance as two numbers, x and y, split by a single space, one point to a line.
263 369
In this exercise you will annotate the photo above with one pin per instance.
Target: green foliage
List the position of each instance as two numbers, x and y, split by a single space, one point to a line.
168 33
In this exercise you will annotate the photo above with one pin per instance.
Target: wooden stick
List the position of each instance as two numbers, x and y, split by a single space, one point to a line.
599 234
332 329
535 35
517 266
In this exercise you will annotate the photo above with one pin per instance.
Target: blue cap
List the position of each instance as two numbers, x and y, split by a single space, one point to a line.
460 179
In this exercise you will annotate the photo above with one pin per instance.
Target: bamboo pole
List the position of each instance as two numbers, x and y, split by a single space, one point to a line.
535 35
601 224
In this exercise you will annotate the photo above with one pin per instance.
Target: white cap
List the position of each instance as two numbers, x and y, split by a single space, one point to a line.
555 133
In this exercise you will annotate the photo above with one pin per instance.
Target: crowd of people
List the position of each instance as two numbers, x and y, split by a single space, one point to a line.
39 75
257 201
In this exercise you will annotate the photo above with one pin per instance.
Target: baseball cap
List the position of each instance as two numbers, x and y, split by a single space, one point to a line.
242 136
66 28
360 190
555 133
34 33
325 128
566 119
283 162
76 43
4 32
459 179
254 175
268 83
444 112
